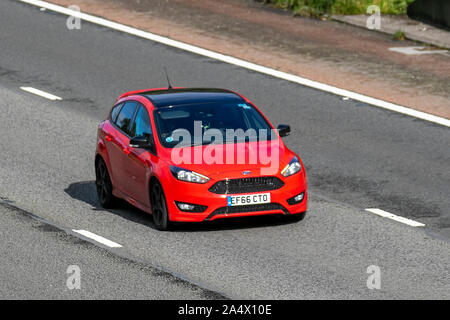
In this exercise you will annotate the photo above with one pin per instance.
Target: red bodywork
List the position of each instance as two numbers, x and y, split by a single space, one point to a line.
132 171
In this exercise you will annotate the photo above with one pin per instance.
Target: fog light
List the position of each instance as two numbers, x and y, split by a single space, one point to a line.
297 199
189 207
185 206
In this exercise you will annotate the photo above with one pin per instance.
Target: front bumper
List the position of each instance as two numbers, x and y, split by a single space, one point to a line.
216 204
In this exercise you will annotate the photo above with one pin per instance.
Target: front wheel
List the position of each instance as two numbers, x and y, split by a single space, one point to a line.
159 207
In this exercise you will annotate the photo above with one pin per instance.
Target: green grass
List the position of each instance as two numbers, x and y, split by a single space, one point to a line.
318 8
398 35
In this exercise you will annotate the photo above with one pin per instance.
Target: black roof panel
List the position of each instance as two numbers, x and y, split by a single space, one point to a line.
172 97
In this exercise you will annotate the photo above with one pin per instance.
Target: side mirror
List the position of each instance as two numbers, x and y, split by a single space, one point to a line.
283 130
140 142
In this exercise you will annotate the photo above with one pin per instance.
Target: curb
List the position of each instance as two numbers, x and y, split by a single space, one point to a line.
360 21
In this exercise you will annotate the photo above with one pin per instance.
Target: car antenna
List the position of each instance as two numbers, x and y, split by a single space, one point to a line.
168 80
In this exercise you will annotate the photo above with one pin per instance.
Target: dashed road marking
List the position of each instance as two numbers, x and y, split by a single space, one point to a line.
389 215
241 63
41 93
98 238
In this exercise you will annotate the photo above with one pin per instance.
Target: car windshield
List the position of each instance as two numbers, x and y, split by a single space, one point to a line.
205 123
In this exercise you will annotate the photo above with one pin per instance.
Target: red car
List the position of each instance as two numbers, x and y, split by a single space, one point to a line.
191 155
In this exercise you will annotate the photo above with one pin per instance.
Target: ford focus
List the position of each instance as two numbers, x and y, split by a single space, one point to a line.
193 155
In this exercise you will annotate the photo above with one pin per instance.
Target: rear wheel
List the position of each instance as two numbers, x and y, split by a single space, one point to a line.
159 207
104 186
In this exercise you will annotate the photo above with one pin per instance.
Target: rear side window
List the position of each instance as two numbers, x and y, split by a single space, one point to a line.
125 116
115 112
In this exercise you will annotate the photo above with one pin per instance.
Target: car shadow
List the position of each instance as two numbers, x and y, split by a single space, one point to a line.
86 191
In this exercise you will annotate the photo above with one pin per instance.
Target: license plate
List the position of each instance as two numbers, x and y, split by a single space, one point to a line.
248 199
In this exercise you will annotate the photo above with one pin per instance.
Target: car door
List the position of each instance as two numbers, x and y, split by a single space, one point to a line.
108 133
118 144
139 164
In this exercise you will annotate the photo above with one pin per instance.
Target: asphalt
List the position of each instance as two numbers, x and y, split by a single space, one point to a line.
356 157
38 257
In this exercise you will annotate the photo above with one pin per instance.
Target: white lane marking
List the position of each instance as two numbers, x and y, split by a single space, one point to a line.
98 238
41 93
241 63
417 50
388 215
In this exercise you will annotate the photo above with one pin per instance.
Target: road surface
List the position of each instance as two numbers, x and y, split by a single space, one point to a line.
356 156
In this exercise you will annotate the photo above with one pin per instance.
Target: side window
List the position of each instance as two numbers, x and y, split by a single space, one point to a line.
125 116
141 126
115 112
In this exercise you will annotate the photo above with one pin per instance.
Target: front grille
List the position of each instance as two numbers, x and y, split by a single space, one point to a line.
250 208
245 185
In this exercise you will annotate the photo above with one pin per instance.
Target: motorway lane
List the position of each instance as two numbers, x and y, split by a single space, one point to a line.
353 152
324 256
47 152
36 257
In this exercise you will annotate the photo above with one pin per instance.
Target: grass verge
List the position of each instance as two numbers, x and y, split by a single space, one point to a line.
318 8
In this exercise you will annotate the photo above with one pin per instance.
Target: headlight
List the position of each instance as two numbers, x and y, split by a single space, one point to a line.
293 167
188 175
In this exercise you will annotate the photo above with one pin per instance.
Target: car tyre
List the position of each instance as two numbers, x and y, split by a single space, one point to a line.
159 207
104 186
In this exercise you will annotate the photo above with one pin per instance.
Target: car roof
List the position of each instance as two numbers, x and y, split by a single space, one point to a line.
182 96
